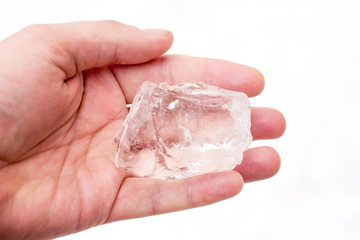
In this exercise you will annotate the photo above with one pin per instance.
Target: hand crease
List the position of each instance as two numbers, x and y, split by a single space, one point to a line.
115 200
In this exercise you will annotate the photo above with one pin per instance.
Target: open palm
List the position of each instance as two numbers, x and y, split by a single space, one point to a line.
63 95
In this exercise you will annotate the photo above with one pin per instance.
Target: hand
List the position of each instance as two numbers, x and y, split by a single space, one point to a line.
63 95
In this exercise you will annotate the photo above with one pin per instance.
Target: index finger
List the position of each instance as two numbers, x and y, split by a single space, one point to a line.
174 69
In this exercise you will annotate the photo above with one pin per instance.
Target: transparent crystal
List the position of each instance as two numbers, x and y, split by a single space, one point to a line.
184 130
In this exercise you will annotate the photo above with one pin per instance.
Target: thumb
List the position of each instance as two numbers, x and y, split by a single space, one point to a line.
87 45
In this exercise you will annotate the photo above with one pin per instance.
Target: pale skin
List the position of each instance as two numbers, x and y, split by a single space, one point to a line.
63 95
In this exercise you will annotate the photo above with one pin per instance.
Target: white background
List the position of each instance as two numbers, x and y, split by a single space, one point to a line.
309 52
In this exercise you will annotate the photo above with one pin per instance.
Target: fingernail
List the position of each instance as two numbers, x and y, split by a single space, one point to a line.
159 32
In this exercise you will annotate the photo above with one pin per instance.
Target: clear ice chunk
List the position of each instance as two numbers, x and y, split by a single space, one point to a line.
179 131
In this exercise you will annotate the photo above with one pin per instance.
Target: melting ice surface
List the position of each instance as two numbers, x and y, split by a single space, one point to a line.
179 131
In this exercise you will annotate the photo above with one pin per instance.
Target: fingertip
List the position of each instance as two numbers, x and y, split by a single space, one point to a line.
267 123
162 38
256 86
157 32
281 121
259 163
239 77
275 162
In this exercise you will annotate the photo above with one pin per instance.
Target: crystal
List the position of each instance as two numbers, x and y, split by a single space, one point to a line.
179 131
